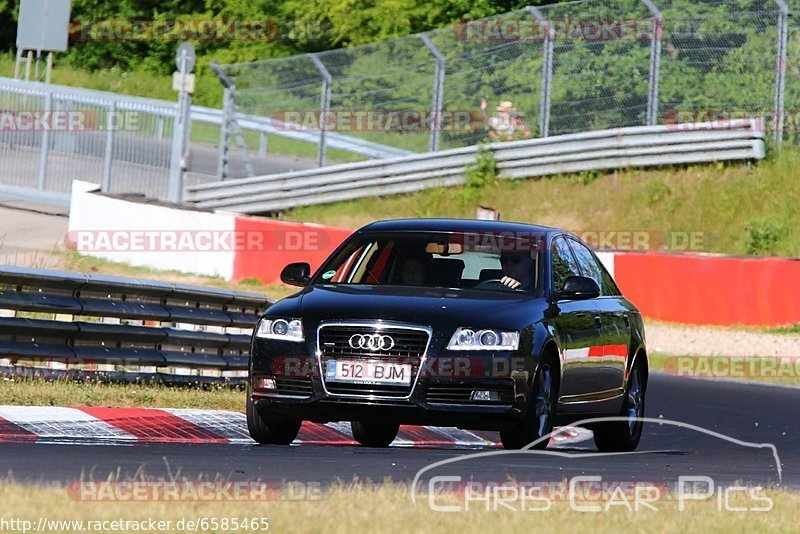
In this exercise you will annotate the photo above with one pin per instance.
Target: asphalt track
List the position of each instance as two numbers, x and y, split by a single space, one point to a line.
756 414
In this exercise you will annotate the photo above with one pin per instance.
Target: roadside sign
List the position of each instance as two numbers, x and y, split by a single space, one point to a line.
186 49
188 82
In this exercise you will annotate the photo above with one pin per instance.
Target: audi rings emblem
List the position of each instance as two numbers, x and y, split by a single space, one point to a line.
371 342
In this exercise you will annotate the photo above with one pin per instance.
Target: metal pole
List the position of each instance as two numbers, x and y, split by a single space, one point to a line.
224 137
105 184
160 127
655 63
780 70
175 186
262 144
49 70
187 131
547 72
438 92
42 181
325 107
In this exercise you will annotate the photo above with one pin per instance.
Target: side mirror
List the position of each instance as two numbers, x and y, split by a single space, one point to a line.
296 274
579 288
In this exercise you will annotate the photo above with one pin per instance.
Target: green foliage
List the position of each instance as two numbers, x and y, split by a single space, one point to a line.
484 171
764 236
586 177
479 174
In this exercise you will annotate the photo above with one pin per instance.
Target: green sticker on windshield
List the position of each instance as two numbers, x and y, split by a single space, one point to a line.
327 275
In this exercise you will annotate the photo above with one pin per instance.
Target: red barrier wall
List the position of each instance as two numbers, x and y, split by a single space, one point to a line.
269 245
707 289
681 288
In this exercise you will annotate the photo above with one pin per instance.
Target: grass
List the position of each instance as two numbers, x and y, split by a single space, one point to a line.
39 392
755 369
733 209
388 508
789 329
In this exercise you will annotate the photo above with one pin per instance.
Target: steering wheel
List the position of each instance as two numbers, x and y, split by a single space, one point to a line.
491 283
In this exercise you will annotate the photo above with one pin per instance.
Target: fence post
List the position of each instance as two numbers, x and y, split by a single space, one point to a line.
547 72
655 63
42 179
224 137
105 184
160 127
780 70
325 107
438 92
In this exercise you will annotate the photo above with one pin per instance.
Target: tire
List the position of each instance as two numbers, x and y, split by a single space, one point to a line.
269 431
538 420
624 436
374 434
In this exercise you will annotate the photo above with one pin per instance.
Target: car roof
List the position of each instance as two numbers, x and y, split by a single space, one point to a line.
456 225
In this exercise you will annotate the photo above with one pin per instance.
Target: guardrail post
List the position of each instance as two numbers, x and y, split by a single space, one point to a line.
325 107
547 72
42 178
105 184
262 144
655 63
438 91
780 70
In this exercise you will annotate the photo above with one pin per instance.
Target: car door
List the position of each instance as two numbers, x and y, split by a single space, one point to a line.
609 353
575 327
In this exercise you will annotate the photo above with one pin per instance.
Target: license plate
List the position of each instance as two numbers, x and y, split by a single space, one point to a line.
368 372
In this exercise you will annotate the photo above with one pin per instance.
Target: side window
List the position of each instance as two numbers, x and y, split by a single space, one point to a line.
563 263
591 268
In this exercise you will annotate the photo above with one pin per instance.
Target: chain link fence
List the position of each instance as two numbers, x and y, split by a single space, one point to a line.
556 69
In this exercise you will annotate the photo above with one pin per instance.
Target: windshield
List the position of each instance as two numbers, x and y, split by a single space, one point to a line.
445 260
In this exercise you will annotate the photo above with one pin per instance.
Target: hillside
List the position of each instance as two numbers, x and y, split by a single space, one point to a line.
734 208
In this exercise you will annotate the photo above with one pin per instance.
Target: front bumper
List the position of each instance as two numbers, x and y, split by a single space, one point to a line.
427 404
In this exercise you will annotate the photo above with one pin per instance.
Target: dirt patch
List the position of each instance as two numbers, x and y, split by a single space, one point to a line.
718 341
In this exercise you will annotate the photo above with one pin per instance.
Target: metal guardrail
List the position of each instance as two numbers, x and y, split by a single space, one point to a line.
133 330
598 150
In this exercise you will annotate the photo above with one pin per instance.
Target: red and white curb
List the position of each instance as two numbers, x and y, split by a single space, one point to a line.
48 424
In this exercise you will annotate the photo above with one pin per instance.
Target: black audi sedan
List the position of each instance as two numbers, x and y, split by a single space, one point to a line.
482 325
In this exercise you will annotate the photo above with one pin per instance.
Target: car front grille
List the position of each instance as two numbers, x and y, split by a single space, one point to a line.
462 394
410 344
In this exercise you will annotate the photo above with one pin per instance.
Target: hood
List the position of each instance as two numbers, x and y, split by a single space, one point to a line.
421 306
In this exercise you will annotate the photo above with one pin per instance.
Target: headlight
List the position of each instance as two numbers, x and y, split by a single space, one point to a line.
283 329
469 339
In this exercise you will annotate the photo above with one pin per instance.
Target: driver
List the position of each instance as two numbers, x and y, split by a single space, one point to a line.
517 270
415 271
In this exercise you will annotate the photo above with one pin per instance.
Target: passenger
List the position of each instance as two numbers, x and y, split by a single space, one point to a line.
517 270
